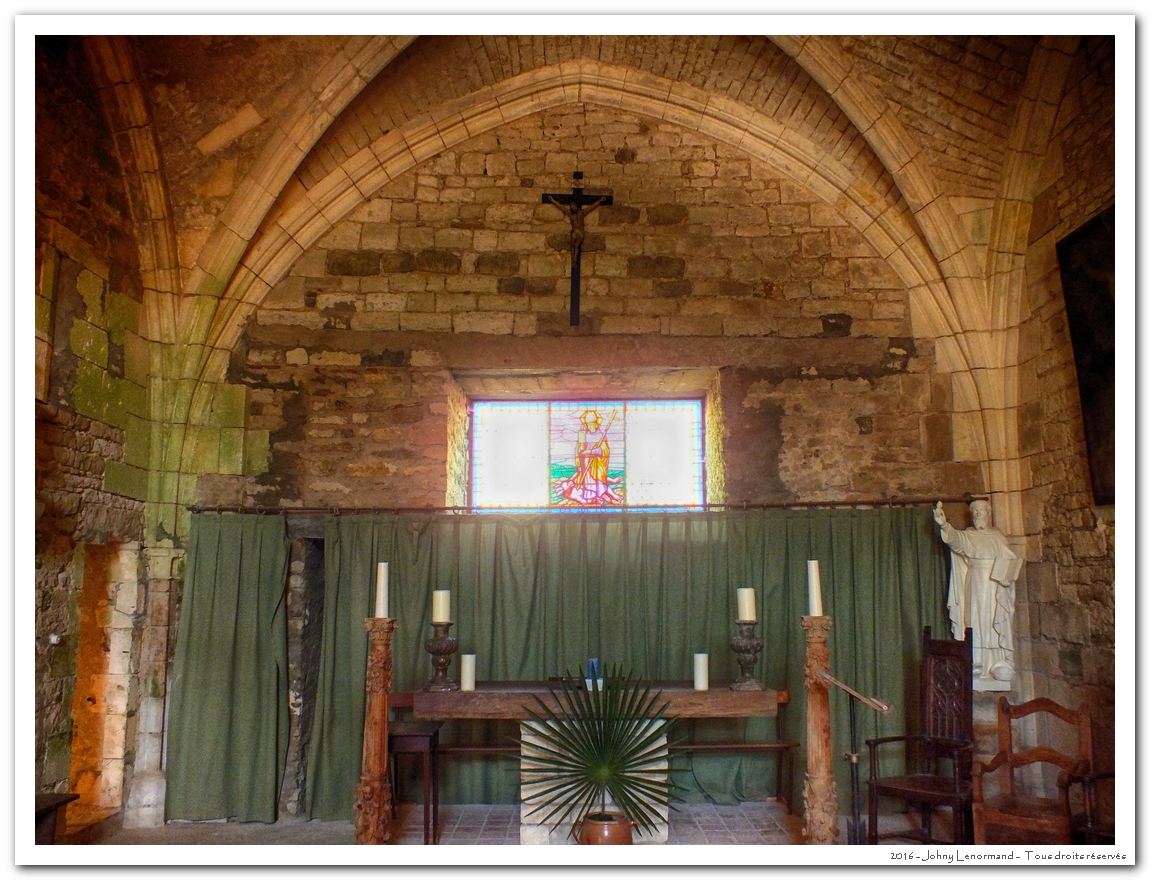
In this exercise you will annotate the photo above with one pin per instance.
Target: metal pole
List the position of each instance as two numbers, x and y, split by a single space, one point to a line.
854 832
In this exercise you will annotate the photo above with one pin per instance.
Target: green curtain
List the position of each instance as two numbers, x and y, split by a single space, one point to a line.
228 717
536 595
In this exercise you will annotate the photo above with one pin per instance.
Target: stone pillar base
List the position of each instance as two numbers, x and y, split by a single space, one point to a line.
145 807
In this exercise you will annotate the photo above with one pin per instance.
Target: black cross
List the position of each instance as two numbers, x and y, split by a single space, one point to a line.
576 206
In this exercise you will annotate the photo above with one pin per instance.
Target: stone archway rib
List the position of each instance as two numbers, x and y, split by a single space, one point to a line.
332 89
130 122
1030 136
1028 141
899 151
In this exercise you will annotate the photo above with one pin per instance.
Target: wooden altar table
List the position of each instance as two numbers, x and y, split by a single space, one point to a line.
510 701
507 700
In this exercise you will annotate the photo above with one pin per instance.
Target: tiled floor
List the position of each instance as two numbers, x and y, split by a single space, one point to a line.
748 823
692 824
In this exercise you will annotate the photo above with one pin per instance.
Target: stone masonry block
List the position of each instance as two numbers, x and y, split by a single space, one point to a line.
484 322
149 748
43 368
696 326
231 450
454 239
356 263
145 807
43 318
137 442
288 294
630 324
229 406
426 321
91 290
90 390
520 242
503 264
122 314
679 288
375 321
610 215
125 480
502 303
938 437
332 358
397 261
655 267
89 342
437 261
204 442
869 274
540 285
137 359
256 452
641 306
666 215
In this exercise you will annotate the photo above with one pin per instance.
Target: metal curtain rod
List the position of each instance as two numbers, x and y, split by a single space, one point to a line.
465 509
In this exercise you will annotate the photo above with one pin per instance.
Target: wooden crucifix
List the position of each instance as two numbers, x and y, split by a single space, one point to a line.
576 206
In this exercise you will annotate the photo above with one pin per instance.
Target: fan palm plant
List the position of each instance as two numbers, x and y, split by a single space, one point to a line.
598 744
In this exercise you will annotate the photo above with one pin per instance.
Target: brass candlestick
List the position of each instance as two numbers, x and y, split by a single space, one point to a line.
441 647
373 805
820 799
746 647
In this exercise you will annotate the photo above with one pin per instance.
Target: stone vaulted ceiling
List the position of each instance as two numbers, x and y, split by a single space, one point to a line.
241 152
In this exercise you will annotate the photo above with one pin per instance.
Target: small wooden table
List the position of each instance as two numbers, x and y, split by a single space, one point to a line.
510 700
50 812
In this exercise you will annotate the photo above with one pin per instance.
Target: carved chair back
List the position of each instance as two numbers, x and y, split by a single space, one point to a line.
946 694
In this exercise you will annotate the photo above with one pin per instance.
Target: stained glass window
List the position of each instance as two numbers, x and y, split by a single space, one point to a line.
587 454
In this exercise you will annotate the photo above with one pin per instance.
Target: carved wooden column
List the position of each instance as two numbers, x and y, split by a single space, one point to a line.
374 794
821 804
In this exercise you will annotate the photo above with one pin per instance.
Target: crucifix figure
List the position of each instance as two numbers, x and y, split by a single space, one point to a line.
576 206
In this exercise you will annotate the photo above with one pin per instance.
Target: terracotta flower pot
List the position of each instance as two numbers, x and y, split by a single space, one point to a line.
611 827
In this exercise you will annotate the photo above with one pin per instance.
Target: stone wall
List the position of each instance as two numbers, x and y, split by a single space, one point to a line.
1066 615
706 261
90 388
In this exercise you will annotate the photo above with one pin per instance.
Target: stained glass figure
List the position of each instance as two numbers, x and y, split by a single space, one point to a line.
581 466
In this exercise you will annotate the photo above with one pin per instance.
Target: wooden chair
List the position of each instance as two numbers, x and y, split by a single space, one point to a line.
940 755
1096 823
1012 815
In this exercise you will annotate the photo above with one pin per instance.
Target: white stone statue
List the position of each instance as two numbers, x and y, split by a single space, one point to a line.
981 594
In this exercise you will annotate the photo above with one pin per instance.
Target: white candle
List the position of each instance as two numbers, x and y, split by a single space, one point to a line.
467 672
701 671
745 599
441 606
381 590
814 591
